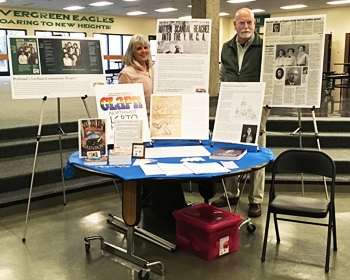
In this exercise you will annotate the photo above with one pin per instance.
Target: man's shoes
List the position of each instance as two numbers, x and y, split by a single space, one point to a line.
254 210
222 201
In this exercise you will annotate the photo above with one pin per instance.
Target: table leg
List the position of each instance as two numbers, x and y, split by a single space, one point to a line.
131 216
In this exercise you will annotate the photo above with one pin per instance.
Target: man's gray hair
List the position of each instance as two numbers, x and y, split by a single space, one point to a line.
135 40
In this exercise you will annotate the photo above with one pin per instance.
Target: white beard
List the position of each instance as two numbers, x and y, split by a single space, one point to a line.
245 34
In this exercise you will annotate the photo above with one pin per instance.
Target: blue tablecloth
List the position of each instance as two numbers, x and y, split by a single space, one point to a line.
251 159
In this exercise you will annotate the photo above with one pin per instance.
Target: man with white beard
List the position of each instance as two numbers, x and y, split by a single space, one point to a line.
241 62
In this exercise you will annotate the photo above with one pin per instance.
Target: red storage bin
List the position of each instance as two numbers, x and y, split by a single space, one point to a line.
207 231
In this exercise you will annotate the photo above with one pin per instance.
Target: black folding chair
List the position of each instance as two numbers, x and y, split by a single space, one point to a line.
306 162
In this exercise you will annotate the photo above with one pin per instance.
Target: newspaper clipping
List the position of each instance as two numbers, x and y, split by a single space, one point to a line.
183 55
292 61
238 113
54 66
122 102
180 116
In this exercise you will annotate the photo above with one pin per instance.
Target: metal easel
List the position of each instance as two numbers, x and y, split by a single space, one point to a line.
38 138
298 131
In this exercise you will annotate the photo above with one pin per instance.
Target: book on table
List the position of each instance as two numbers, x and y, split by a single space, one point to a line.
228 154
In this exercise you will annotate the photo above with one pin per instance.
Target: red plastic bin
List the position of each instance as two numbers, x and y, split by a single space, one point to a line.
207 231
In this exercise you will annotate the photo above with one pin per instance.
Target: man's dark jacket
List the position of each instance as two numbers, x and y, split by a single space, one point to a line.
251 65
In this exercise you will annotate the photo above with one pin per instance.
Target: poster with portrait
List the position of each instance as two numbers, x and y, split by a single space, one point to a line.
54 66
183 56
238 113
122 102
180 116
292 64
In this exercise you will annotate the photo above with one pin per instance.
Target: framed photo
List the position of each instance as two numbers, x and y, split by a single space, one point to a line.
138 150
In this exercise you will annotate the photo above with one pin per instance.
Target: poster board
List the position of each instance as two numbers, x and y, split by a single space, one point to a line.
238 113
54 66
183 56
292 64
122 101
180 116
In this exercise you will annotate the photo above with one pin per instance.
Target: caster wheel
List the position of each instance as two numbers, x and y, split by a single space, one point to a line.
251 228
144 274
87 247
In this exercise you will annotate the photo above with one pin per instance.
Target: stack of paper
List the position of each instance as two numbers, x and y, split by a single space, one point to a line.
118 156
206 168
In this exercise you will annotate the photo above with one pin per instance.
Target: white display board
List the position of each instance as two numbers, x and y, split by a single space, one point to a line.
54 66
122 102
238 113
183 56
292 64
180 116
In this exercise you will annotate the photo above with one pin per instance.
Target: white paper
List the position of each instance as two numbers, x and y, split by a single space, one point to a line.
181 151
180 116
141 161
183 56
128 132
303 88
206 168
229 164
238 113
122 102
172 169
47 75
151 169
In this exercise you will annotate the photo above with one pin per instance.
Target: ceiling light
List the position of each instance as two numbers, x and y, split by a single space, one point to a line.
136 13
223 14
258 10
164 10
2 1
130 0
189 6
239 1
102 3
293 7
73 8
185 17
339 2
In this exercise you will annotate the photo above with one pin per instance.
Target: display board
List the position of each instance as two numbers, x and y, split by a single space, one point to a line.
54 66
180 116
292 64
238 113
183 56
122 102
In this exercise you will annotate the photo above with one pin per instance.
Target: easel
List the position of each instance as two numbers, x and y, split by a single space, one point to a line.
298 131
60 134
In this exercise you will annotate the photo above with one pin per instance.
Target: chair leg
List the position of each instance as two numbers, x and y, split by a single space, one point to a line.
335 245
266 234
276 228
328 241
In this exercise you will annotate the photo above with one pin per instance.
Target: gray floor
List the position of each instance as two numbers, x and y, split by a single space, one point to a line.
54 247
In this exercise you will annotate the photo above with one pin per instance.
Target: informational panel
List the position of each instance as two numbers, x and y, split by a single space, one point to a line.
54 66
180 116
238 113
122 102
183 56
293 61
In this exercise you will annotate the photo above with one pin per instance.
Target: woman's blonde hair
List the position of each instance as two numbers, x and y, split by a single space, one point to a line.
129 54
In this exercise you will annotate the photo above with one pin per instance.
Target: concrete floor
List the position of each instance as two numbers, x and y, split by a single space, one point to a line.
54 248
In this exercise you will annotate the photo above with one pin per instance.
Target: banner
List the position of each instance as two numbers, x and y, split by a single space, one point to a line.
54 66
122 102
183 56
292 65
